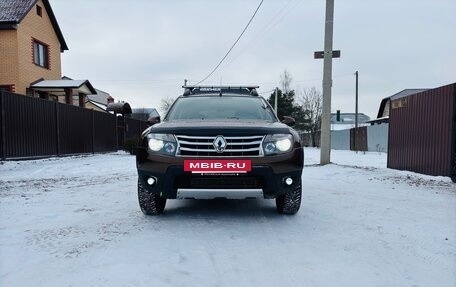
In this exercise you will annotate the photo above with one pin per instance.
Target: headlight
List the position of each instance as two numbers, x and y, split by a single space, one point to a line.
277 143
162 143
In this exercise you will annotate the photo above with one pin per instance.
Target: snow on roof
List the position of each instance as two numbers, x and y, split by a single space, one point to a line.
59 84
338 127
407 92
100 97
348 118
101 106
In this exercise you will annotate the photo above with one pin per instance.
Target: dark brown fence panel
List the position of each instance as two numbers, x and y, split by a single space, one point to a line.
453 141
32 127
2 127
358 139
76 130
134 128
104 132
421 132
120 131
29 126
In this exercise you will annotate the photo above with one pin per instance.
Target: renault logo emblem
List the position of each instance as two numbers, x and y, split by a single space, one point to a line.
219 144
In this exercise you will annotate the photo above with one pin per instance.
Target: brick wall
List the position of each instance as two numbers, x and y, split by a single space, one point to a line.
8 58
40 28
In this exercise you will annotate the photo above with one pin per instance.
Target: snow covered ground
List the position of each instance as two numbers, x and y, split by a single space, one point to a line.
76 222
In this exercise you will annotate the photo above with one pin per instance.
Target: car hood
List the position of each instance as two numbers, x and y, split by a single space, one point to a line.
222 127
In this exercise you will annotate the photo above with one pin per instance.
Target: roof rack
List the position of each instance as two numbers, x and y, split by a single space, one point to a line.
220 90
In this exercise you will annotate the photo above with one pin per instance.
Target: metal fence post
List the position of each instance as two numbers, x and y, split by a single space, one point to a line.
93 132
57 127
2 119
453 138
117 132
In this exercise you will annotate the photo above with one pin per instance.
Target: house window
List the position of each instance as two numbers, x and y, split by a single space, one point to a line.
39 10
40 54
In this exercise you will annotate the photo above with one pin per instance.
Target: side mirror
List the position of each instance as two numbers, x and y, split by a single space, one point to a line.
289 121
153 120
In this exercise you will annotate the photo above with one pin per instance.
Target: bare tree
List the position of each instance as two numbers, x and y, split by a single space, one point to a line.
311 101
285 81
165 104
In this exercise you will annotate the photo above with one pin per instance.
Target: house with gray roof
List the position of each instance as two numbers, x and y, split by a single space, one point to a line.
31 43
347 121
99 101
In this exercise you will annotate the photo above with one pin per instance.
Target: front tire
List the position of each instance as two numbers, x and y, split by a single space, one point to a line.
150 203
290 202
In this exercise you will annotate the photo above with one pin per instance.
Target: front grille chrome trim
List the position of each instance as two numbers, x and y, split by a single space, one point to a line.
195 143
236 146
250 143
227 150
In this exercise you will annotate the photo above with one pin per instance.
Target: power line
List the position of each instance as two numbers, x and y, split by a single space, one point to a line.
235 42
277 18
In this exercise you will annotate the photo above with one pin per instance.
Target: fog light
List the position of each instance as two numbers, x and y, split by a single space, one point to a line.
288 181
151 181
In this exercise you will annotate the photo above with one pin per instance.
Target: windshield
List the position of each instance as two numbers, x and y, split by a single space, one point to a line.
224 107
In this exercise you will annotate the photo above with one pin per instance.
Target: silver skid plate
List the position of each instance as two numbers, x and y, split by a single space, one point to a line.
184 193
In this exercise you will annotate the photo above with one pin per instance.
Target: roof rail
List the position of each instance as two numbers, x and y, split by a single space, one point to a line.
239 90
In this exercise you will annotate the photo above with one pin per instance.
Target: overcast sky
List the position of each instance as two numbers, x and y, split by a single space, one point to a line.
141 51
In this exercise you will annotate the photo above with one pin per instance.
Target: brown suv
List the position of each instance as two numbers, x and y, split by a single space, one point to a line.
220 142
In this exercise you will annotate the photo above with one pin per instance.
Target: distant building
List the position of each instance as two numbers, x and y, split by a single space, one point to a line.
347 121
30 64
144 113
99 101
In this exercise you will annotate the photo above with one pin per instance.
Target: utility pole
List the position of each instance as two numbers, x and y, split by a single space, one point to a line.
275 100
327 84
356 112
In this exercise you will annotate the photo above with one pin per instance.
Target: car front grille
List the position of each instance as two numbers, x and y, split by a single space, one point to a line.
203 146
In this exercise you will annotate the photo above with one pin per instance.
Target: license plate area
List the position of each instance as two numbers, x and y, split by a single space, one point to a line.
217 166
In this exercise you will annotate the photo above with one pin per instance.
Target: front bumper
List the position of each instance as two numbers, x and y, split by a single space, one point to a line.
268 174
